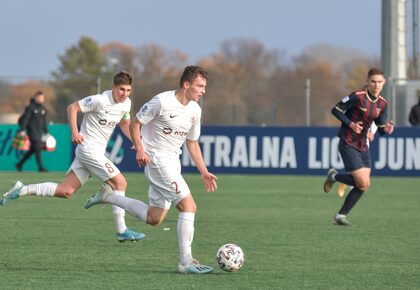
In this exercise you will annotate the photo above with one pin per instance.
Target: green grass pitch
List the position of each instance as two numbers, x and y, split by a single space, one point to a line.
283 224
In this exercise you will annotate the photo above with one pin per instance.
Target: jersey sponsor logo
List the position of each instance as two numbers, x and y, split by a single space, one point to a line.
362 109
345 99
104 122
167 131
144 108
172 116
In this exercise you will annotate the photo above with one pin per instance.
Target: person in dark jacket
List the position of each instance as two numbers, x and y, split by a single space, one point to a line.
414 117
34 122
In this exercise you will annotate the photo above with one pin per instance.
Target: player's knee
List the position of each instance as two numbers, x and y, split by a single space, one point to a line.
66 193
153 221
364 185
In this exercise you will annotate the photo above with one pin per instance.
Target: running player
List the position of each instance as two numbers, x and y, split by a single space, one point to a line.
356 112
102 113
159 130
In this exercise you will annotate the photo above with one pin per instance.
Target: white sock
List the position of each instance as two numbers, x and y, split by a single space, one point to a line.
39 189
134 207
185 230
119 215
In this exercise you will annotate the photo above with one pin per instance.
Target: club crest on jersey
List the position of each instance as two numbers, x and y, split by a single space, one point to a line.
144 108
88 101
345 99
378 111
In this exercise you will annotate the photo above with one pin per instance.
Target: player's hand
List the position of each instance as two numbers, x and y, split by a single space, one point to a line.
371 136
142 158
209 181
356 127
77 138
389 127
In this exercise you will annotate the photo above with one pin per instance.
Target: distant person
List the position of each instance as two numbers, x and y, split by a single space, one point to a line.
101 114
159 130
356 112
34 123
414 117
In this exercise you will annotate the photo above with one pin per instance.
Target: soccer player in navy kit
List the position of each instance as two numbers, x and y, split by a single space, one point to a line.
356 112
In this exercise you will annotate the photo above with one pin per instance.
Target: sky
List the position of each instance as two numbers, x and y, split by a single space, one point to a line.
35 33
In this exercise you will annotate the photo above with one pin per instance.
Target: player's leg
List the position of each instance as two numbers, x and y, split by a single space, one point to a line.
362 178
25 157
37 147
152 215
105 169
358 164
185 228
46 189
349 156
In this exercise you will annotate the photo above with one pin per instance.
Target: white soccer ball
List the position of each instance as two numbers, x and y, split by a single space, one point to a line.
230 257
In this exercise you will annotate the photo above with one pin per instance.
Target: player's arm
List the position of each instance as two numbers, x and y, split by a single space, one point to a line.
125 128
339 111
208 178
135 131
72 111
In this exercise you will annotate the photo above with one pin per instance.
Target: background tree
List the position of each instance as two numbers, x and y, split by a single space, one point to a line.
18 96
80 67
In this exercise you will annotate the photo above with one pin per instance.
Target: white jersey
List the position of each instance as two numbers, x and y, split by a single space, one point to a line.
101 116
166 124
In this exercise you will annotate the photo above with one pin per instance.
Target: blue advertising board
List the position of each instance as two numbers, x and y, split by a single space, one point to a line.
284 150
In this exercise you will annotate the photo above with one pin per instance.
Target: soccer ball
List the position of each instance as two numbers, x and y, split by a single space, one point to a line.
230 257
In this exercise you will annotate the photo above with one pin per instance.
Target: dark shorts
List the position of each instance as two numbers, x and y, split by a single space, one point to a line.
354 159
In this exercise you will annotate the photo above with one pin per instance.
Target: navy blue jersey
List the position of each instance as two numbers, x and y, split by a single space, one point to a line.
359 106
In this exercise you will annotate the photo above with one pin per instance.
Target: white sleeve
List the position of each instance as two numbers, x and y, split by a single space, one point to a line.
90 103
149 111
195 131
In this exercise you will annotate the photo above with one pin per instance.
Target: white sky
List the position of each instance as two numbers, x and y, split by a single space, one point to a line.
34 33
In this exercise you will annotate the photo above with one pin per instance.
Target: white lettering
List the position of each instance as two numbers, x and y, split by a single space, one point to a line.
336 160
312 162
240 155
222 149
412 153
381 162
288 153
271 149
253 151
395 153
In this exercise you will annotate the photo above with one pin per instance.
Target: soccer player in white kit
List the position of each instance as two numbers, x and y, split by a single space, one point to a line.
158 132
102 113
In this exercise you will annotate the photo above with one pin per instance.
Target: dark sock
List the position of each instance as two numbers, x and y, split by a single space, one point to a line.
351 199
345 178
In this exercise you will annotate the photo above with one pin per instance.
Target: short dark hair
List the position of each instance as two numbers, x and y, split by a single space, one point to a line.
375 71
190 73
38 93
123 78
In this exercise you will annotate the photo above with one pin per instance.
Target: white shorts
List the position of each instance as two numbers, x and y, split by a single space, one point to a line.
166 184
86 164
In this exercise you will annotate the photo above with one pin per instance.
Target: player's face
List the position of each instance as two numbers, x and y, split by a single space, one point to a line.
121 92
375 84
196 89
